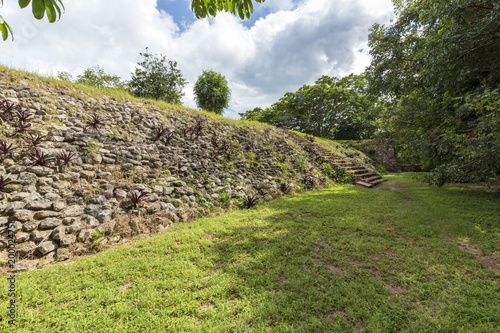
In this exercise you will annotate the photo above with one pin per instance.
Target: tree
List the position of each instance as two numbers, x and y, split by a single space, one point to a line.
438 70
211 92
157 78
96 77
204 8
201 8
331 108
65 76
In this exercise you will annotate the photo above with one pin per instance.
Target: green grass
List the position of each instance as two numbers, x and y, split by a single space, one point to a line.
344 259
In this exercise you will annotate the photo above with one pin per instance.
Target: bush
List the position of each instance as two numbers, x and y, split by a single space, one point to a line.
211 92
157 78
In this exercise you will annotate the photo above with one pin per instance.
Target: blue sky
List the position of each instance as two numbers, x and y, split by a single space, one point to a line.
285 44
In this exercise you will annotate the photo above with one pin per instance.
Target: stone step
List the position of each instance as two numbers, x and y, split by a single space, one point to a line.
358 172
363 184
365 175
372 179
378 181
362 176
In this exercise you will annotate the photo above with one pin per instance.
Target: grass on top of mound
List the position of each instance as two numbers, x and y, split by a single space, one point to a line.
343 259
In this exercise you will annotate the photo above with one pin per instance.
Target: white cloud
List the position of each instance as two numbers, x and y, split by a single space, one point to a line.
294 45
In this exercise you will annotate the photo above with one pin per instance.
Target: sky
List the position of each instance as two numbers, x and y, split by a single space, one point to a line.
284 45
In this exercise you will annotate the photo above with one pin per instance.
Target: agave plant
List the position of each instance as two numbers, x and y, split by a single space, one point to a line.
168 137
285 188
197 128
249 201
95 121
159 133
23 119
215 141
22 127
8 110
4 181
308 181
137 198
63 159
35 140
6 148
22 115
40 158
187 131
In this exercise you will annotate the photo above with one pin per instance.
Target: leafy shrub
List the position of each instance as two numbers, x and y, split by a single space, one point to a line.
8 109
168 137
95 121
249 201
156 78
35 140
96 77
23 119
337 174
159 133
6 148
4 181
211 92
285 188
215 141
40 158
63 160
137 198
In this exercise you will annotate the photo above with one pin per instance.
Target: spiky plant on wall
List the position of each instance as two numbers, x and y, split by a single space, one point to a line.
4 181
94 121
250 201
137 197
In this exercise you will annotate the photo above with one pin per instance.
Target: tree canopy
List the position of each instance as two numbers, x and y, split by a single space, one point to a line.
95 77
437 68
331 108
211 92
158 78
204 8
201 8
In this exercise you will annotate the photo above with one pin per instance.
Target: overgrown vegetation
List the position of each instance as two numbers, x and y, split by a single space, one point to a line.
436 68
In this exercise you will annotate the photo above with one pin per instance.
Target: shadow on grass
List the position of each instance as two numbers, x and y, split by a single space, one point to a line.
338 260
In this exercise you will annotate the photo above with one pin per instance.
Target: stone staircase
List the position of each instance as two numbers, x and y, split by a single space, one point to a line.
362 176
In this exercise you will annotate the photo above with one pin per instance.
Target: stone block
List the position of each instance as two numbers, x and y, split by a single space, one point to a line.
50 223
39 205
47 247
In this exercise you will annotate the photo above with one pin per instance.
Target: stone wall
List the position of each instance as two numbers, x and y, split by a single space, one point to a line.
85 206
384 154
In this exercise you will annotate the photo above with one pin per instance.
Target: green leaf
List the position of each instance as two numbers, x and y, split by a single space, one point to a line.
51 12
58 8
5 29
38 8
24 3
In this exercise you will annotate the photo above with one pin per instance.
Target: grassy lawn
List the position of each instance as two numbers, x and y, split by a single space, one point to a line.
345 259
